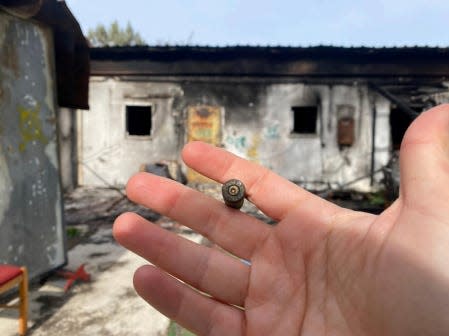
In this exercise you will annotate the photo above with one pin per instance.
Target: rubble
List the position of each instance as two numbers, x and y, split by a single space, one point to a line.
97 307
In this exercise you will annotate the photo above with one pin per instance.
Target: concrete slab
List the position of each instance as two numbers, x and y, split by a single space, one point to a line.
107 306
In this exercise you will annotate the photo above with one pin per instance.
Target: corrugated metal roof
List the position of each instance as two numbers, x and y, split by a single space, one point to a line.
311 62
137 52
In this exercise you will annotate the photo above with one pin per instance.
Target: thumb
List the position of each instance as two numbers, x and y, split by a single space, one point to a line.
424 160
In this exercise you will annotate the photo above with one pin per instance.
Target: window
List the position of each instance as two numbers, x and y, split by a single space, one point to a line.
138 120
305 119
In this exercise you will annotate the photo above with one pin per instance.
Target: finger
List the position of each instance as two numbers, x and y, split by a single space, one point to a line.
233 230
274 195
222 276
192 310
424 160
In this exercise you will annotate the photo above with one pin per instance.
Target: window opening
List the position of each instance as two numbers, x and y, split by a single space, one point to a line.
399 122
138 120
305 119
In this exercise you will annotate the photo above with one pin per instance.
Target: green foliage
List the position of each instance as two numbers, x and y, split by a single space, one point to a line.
114 35
175 330
73 232
377 198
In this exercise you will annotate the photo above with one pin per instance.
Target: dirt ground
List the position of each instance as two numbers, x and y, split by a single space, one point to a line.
107 305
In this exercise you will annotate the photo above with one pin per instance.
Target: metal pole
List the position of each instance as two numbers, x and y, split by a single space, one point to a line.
373 141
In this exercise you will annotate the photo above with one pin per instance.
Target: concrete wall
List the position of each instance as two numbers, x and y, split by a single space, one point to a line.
107 155
257 124
31 223
68 159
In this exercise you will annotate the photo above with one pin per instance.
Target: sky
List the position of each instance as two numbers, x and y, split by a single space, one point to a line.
271 23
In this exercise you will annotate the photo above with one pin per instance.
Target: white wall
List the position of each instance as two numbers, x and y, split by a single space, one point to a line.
311 159
261 132
106 153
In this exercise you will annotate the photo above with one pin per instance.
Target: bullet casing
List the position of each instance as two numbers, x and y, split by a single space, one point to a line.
233 192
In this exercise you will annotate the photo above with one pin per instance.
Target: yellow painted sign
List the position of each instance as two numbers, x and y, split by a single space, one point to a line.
203 124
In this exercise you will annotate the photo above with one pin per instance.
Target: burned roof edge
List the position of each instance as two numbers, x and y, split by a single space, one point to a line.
277 52
397 63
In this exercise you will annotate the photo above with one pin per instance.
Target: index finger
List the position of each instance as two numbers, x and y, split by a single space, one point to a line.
272 194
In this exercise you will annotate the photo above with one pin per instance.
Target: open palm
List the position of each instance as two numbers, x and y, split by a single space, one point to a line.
322 270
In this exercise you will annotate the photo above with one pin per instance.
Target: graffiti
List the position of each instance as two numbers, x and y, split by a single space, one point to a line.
30 126
272 132
238 142
241 143
253 150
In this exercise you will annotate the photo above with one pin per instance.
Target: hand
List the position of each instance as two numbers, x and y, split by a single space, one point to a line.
322 270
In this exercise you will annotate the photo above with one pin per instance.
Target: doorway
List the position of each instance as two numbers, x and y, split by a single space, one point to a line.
399 122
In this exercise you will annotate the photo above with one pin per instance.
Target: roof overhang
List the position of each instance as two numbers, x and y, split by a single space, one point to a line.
409 64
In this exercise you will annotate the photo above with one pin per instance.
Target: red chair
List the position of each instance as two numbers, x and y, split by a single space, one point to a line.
11 276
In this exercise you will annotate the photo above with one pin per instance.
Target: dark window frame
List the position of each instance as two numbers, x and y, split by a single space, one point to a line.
141 125
305 120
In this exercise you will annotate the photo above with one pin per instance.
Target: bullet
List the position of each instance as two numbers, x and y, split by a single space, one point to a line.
233 192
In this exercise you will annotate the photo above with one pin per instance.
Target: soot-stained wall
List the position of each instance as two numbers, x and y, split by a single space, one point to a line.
257 123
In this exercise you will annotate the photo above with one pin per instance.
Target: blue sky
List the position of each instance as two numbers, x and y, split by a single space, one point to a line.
281 22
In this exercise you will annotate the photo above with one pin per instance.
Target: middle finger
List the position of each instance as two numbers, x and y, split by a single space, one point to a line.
222 276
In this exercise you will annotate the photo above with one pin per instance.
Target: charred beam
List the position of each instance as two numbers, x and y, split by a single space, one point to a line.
399 102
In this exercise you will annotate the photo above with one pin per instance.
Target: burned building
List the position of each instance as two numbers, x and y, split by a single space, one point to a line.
324 117
44 63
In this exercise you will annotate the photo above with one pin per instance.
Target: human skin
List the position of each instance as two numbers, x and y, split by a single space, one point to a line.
322 270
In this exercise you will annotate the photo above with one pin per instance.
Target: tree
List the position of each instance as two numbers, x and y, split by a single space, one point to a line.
114 35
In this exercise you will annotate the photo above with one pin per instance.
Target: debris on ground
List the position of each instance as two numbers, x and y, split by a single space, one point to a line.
165 168
108 305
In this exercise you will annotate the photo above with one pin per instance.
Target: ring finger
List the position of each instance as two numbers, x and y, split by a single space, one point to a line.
221 276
